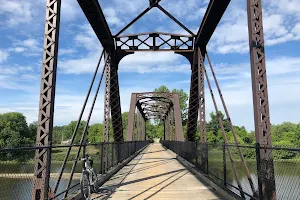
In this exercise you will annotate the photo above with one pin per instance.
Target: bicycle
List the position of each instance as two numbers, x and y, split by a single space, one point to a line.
88 177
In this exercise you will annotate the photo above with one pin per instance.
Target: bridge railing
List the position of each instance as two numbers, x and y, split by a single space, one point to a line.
219 167
17 167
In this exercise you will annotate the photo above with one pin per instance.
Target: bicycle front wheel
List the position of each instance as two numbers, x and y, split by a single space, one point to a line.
85 185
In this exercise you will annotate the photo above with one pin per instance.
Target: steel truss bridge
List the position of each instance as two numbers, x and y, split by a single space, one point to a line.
159 106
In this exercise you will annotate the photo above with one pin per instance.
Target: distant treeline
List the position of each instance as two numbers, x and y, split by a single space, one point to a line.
14 131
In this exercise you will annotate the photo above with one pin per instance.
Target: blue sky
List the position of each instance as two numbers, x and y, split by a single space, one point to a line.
22 29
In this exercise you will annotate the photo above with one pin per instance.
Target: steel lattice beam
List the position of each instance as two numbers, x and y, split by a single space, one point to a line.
106 110
193 103
47 96
115 104
202 119
260 97
155 41
211 19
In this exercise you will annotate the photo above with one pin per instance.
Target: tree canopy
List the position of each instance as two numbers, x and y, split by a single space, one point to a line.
14 131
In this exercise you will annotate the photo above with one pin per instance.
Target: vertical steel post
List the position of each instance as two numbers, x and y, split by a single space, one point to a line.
178 120
106 110
193 103
145 130
101 160
165 128
115 102
260 96
47 97
258 168
224 164
130 125
202 118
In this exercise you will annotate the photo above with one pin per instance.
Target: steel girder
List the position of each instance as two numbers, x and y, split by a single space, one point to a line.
211 19
260 97
96 18
47 96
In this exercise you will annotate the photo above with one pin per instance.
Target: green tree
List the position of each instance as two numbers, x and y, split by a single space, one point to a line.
125 123
162 88
32 128
95 133
69 129
214 126
59 134
14 131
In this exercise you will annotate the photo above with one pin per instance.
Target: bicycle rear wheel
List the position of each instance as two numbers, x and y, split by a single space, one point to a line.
85 185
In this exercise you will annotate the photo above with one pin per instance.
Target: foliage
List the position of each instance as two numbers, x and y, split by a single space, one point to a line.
162 88
14 131
95 133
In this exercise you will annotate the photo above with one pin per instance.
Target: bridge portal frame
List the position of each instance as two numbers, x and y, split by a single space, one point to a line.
161 110
211 19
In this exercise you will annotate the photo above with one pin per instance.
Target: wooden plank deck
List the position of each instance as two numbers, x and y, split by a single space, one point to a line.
155 174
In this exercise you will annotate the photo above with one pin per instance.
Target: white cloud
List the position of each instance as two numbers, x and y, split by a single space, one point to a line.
189 10
3 55
66 51
231 35
16 77
19 49
87 38
70 10
139 62
15 12
27 47
112 17
86 64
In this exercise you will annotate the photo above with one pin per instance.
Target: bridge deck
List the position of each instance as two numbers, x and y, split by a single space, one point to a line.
155 174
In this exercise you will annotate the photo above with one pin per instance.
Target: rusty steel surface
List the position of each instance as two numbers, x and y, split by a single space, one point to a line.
115 103
155 42
106 109
260 96
47 96
96 18
201 88
210 21
193 108
158 106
